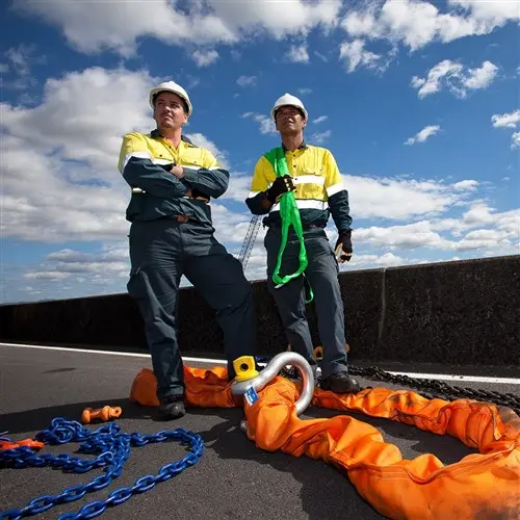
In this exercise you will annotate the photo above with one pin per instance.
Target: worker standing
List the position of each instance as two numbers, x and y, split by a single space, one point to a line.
171 234
318 187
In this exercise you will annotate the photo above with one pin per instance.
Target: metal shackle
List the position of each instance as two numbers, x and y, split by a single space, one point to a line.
247 377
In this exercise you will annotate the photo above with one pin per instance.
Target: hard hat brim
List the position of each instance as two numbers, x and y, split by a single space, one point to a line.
157 90
275 109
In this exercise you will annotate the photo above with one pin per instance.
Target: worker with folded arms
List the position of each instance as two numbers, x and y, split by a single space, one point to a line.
318 187
171 234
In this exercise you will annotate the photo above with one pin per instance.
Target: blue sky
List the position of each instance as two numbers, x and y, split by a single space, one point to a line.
417 101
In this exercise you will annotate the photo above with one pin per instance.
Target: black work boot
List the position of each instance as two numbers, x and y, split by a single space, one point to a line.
340 383
171 408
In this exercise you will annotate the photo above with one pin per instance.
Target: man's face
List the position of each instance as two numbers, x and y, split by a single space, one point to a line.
169 111
289 120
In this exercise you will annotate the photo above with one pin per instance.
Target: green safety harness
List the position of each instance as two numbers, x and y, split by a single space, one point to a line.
290 216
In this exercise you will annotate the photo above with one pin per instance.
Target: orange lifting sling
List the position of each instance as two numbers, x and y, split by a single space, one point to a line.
481 485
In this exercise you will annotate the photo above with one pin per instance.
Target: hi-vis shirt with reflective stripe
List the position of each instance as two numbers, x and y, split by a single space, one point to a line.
145 161
319 188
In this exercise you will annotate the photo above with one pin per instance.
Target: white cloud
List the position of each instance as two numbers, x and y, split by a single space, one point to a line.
321 56
442 71
392 198
490 14
298 54
423 135
275 18
506 120
481 78
246 81
204 142
466 185
321 137
205 58
451 234
66 186
304 91
510 120
266 124
320 119
68 262
94 27
452 75
239 187
354 55
46 275
91 27
416 24
385 260
21 60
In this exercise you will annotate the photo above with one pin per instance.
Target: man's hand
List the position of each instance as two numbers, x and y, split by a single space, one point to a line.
343 247
177 171
280 186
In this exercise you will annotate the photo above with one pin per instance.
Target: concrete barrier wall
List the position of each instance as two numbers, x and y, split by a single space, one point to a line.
463 312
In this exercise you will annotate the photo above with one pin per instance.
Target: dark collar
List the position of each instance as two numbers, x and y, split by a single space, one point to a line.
303 146
155 134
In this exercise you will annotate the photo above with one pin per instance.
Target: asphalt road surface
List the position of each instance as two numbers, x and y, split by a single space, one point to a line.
233 479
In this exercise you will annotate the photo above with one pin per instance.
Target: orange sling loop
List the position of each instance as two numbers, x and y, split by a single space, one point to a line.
481 485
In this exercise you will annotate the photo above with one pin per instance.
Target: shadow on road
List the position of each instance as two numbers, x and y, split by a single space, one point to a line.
35 420
325 491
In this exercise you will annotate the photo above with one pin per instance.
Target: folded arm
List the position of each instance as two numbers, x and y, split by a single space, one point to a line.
139 171
211 180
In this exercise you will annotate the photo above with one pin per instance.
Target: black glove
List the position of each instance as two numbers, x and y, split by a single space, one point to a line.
280 186
343 247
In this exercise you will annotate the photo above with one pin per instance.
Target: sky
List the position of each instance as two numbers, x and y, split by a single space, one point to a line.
418 101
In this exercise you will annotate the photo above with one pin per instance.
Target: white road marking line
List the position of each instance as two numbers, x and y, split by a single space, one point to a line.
416 375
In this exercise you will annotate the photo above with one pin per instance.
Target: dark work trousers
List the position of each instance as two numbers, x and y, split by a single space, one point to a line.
322 274
161 251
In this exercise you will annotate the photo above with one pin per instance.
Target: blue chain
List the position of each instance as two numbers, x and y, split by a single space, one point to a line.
113 449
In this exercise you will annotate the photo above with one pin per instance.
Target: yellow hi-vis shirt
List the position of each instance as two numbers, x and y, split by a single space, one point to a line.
145 161
319 193
161 152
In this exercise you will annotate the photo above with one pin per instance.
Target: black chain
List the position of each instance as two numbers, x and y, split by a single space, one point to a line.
438 389
428 388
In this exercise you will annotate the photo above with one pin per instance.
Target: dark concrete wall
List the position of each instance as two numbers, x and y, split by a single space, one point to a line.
464 312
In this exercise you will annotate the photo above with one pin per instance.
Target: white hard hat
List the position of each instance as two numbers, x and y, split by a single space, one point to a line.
171 86
288 99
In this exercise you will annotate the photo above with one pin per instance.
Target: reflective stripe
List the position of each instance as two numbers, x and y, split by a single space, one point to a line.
144 155
253 194
198 167
162 161
309 179
305 204
137 155
335 188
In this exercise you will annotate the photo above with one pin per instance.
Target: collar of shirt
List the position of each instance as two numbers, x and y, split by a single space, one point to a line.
300 148
156 134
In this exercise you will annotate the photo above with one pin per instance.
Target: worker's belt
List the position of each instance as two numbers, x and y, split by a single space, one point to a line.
305 227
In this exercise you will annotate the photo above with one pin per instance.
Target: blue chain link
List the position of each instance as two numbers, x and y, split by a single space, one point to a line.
113 449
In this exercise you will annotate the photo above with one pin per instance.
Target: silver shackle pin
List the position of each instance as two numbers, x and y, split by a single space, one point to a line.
248 380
